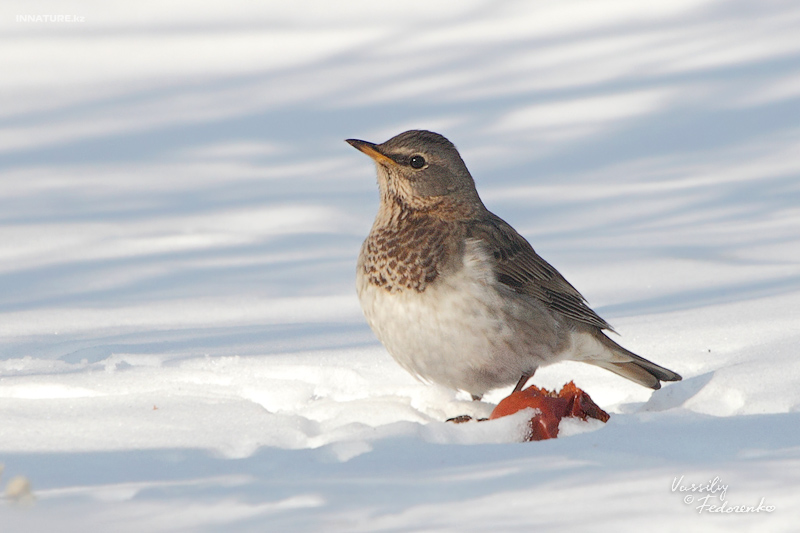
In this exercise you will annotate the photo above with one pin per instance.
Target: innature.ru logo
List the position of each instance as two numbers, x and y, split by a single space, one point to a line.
50 18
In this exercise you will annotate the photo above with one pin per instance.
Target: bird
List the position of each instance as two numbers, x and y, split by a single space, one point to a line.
456 295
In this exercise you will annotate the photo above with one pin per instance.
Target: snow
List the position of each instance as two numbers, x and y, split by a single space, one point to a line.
181 348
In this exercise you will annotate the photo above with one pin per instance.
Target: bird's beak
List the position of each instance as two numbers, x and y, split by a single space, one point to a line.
371 150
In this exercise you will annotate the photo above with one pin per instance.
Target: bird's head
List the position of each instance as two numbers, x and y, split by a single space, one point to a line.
422 170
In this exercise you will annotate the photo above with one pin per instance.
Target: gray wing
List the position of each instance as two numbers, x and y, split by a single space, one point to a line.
519 267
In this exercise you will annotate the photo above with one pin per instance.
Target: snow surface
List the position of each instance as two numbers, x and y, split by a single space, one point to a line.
181 348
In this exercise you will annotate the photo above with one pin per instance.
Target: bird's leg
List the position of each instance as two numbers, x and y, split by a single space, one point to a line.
521 383
523 380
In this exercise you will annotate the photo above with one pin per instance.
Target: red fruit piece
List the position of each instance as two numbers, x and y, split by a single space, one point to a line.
550 408
581 404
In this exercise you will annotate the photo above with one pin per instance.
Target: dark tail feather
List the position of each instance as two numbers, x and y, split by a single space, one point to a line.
629 365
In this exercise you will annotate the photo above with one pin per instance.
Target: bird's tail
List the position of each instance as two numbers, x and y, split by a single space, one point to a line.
629 365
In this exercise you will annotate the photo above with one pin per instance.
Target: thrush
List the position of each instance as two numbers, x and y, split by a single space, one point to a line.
456 295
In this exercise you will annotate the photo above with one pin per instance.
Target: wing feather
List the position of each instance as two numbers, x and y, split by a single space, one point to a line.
519 267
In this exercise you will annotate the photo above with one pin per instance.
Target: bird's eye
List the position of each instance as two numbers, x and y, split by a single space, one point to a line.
417 161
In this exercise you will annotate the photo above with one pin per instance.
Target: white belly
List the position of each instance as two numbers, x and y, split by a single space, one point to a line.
459 331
